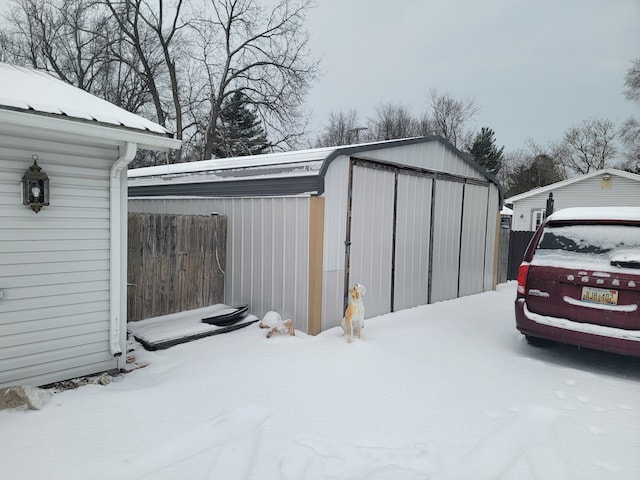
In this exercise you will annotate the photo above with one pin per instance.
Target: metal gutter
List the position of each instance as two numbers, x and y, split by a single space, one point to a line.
116 258
59 127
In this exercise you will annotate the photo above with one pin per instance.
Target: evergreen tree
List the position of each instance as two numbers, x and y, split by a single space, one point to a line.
239 132
484 151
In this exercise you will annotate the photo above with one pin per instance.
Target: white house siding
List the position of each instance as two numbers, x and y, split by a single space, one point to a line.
413 221
592 192
267 249
54 274
446 240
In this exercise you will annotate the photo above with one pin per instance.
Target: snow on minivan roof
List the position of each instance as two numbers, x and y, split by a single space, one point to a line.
596 213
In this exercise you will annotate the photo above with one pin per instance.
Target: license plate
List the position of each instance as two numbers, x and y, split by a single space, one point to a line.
602 296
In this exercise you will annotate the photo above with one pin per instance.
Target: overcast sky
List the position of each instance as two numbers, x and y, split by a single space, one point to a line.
535 68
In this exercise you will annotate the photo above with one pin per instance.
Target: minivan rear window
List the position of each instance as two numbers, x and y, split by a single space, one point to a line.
598 243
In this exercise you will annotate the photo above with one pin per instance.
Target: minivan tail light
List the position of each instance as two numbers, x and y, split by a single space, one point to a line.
523 271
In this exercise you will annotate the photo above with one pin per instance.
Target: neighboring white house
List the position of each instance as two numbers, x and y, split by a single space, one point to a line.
414 220
63 269
608 187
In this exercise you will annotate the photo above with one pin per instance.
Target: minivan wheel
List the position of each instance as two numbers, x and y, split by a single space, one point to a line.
538 342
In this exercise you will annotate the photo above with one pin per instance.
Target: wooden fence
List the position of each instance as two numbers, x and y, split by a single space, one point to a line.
503 254
175 263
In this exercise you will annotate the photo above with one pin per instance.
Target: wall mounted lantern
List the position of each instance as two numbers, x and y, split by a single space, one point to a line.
35 187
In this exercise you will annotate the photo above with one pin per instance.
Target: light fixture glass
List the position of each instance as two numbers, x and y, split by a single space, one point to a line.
35 187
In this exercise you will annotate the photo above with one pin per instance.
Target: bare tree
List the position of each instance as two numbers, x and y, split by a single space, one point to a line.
632 82
176 61
590 146
449 117
260 53
630 136
153 29
630 129
75 40
392 121
342 129
66 37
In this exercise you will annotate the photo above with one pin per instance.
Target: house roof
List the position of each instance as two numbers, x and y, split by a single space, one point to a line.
37 92
287 173
569 181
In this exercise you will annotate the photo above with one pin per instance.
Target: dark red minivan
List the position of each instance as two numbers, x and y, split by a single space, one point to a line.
579 282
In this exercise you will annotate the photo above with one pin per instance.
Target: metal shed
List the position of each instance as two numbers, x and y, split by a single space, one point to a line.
414 220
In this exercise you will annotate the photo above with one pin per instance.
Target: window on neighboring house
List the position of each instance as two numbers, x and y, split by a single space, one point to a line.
536 218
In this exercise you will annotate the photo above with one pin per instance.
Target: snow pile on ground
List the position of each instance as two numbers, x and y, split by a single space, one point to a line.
448 391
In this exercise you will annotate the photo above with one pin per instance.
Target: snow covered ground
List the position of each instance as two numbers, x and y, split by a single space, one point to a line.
445 391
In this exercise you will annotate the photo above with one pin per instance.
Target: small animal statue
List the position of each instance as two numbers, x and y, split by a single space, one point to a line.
273 321
354 313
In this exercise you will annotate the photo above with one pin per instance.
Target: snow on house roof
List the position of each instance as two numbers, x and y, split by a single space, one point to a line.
563 183
36 91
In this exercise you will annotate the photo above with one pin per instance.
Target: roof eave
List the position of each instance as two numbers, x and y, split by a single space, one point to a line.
64 127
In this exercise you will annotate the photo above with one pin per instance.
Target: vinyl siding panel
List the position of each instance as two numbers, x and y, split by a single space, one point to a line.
267 249
54 317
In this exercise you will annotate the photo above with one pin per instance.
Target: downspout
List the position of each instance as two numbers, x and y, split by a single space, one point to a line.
115 241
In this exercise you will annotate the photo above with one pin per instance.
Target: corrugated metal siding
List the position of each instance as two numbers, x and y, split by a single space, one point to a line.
584 193
413 222
372 236
472 248
336 186
54 317
446 240
267 249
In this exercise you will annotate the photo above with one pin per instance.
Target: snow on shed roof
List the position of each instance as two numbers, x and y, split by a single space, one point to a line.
29 90
293 172
220 164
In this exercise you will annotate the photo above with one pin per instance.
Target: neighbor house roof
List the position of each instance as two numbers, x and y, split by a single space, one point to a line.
569 181
295 172
39 93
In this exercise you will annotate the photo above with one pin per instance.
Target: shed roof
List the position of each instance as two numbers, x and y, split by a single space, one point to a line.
294 172
569 181
36 91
